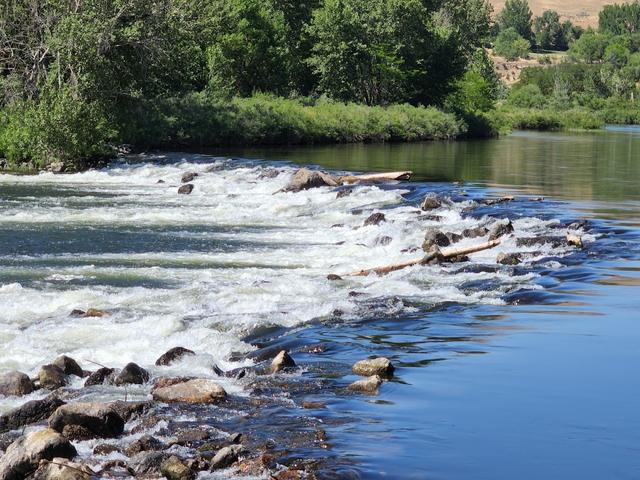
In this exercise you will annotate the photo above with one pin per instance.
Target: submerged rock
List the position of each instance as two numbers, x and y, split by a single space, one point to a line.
31 412
52 377
368 385
555 242
189 177
173 355
375 219
501 229
132 373
509 258
62 469
24 455
193 391
101 376
226 457
304 179
97 418
281 362
16 384
68 365
185 189
374 366
431 202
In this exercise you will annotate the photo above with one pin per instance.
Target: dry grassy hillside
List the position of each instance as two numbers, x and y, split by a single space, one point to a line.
580 12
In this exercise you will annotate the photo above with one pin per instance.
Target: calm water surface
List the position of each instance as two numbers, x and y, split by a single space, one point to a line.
502 374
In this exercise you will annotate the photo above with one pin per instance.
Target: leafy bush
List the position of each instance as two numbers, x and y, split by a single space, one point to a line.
527 96
511 45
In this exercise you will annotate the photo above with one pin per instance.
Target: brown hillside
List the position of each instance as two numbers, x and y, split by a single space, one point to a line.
580 12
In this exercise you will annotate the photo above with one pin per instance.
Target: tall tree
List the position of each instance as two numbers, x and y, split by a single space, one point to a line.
550 33
516 14
620 19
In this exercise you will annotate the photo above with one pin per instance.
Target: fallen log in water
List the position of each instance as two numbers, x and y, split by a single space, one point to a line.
375 177
304 179
436 254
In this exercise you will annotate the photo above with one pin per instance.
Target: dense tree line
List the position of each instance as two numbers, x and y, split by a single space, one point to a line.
97 70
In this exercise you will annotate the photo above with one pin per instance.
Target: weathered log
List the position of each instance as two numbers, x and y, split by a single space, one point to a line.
375 177
433 255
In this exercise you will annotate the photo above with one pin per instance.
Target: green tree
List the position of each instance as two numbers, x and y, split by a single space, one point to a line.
550 33
589 47
620 19
516 14
511 45
527 96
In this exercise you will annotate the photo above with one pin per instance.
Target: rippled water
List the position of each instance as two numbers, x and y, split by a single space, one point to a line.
504 371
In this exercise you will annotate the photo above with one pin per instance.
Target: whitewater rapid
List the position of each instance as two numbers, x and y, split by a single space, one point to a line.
204 270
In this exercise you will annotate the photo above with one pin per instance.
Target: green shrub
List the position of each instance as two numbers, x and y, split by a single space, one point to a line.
511 45
527 96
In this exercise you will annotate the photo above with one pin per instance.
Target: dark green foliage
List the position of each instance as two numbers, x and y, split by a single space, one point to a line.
620 19
551 34
516 14
511 45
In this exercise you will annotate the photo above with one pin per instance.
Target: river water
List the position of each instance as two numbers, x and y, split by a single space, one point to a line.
503 372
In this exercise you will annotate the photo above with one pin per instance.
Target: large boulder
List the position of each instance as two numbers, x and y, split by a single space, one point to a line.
24 455
132 374
101 376
98 418
173 355
430 202
435 238
68 365
193 391
282 361
374 366
52 377
304 179
16 384
31 412
62 469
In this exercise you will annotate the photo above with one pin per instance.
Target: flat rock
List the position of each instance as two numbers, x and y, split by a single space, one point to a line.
68 365
305 179
29 413
132 373
173 355
374 366
186 189
24 455
227 456
15 384
173 469
98 418
193 391
281 362
368 385
102 376
52 377
62 469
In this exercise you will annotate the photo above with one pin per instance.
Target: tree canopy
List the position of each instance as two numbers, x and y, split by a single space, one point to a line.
516 14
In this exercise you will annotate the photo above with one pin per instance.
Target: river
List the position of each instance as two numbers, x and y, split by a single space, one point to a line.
503 372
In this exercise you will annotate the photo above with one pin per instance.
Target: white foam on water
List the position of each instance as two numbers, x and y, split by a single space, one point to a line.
268 262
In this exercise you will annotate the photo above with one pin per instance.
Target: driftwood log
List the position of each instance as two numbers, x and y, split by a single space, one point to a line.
305 179
435 254
375 177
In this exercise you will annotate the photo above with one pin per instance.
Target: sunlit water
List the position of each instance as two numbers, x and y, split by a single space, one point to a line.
505 372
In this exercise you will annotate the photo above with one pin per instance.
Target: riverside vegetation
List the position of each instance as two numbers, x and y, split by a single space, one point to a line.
79 78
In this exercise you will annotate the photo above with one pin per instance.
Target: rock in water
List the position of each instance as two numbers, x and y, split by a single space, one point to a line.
430 202
304 179
147 463
31 412
375 366
189 177
375 219
226 457
368 385
62 469
186 189
24 455
435 238
173 355
475 232
94 313
56 167
16 384
509 258
52 377
98 418
282 361
132 374
173 469
194 391
500 229
68 365
100 377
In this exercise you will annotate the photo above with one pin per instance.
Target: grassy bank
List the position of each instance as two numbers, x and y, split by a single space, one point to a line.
33 137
